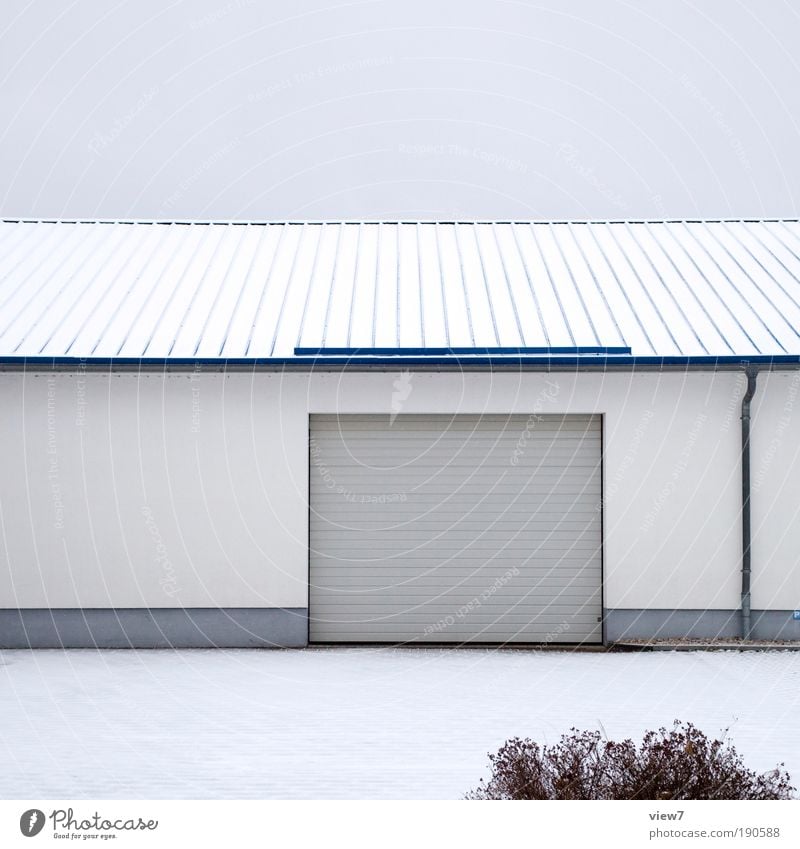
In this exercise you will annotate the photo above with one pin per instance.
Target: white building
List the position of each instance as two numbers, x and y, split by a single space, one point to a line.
247 434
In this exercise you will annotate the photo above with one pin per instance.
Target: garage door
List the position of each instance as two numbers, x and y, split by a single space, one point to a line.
454 529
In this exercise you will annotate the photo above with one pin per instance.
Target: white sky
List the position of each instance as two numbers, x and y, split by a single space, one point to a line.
422 108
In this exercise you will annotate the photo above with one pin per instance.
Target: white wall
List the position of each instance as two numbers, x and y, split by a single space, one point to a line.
152 490
775 473
191 490
672 485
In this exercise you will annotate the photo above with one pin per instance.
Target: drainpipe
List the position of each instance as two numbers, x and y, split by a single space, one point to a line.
752 373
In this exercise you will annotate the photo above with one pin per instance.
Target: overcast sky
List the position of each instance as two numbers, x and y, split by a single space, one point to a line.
413 109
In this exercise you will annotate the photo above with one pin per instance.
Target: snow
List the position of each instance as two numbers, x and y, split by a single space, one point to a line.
356 722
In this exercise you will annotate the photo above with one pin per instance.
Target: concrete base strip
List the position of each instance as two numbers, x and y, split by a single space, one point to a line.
153 628
288 627
626 623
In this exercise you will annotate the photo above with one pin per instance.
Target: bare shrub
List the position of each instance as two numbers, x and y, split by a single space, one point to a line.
682 763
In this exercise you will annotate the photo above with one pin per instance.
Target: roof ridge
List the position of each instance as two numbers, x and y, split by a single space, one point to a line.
203 222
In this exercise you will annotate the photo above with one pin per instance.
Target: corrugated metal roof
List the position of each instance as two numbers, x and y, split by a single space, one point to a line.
256 290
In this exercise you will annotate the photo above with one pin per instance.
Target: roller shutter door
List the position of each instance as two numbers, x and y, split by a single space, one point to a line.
454 529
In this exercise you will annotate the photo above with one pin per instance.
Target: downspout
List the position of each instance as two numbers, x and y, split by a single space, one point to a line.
752 374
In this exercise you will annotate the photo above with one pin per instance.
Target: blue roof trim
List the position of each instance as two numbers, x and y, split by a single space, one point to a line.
542 362
447 352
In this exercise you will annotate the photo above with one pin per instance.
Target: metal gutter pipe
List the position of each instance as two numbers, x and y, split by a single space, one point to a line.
752 374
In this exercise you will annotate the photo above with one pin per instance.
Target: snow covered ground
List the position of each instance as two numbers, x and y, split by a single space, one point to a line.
363 723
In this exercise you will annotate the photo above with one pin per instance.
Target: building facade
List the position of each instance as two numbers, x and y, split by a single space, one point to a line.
276 434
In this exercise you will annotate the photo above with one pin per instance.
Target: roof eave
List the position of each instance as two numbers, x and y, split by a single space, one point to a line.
531 363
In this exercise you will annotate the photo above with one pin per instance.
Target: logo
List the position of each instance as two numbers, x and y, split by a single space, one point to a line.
31 822
402 389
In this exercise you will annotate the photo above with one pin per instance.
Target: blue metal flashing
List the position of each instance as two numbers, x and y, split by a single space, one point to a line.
441 352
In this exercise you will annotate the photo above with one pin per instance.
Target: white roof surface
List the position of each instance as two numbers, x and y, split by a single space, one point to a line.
233 290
